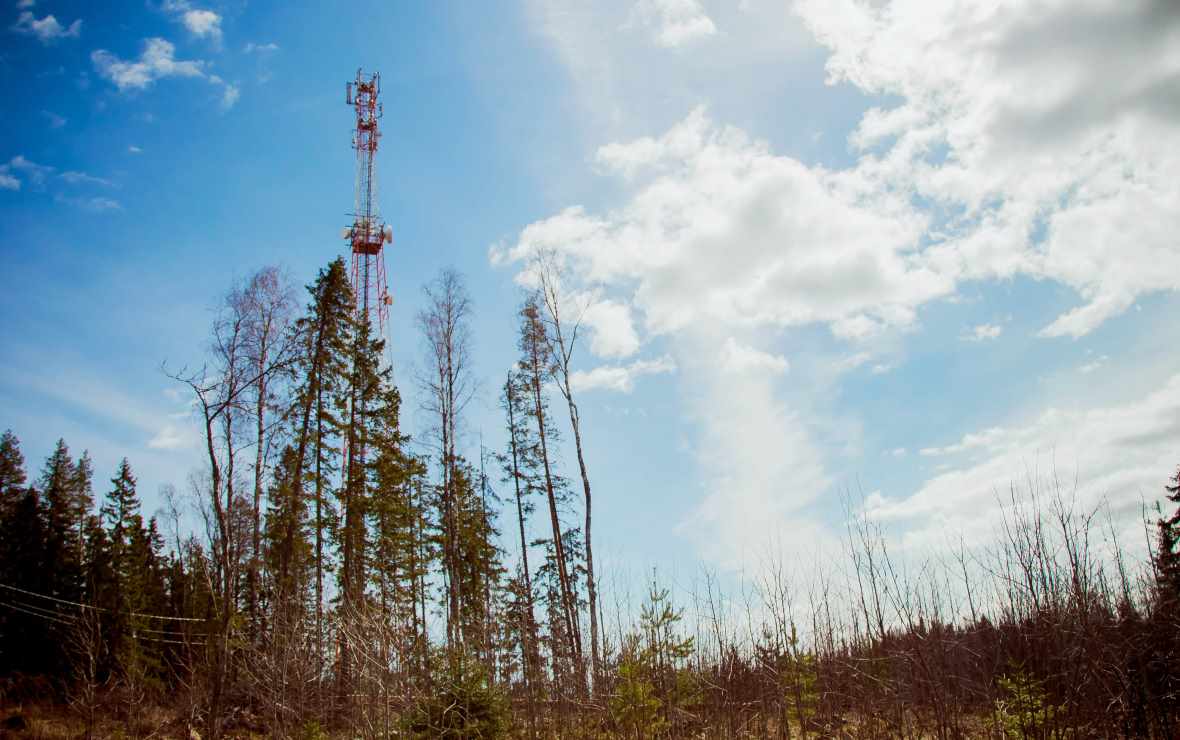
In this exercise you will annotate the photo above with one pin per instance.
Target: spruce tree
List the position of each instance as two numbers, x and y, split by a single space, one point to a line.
1167 559
324 340
12 471
62 534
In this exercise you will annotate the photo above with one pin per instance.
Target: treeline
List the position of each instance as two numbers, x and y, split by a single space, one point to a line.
348 581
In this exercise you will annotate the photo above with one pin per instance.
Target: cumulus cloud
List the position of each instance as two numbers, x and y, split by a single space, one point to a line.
47 29
7 181
722 238
1072 182
156 62
963 176
619 378
200 22
203 23
721 229
673 22
612 329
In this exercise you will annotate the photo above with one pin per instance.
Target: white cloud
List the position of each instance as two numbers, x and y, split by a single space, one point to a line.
760 466
170 438
47 29
983 332
87 395
721 229
1119 452
132 149
230 96
33 172
619 378
25 3
721 238
253 48
738 358
1085 161
156 62
966 178
81 178
625 82
202 23
612 329
985 439
93 204
673 22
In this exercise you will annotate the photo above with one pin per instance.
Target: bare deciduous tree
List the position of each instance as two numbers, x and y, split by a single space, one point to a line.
447 387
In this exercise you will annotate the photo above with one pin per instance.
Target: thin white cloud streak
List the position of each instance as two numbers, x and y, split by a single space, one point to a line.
74 177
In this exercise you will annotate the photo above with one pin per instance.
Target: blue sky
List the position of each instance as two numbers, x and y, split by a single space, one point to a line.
833 253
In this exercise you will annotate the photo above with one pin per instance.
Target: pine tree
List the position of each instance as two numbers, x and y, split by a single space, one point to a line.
535 370
519 465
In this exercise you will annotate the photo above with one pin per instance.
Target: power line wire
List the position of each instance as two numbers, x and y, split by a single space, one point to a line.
66 622
99 608
72 621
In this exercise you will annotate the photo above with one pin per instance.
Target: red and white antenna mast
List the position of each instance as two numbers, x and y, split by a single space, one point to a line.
368 233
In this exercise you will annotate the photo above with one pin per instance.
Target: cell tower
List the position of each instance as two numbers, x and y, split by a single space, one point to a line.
368 233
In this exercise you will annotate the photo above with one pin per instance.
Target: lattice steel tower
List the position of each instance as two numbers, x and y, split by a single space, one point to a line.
368 233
